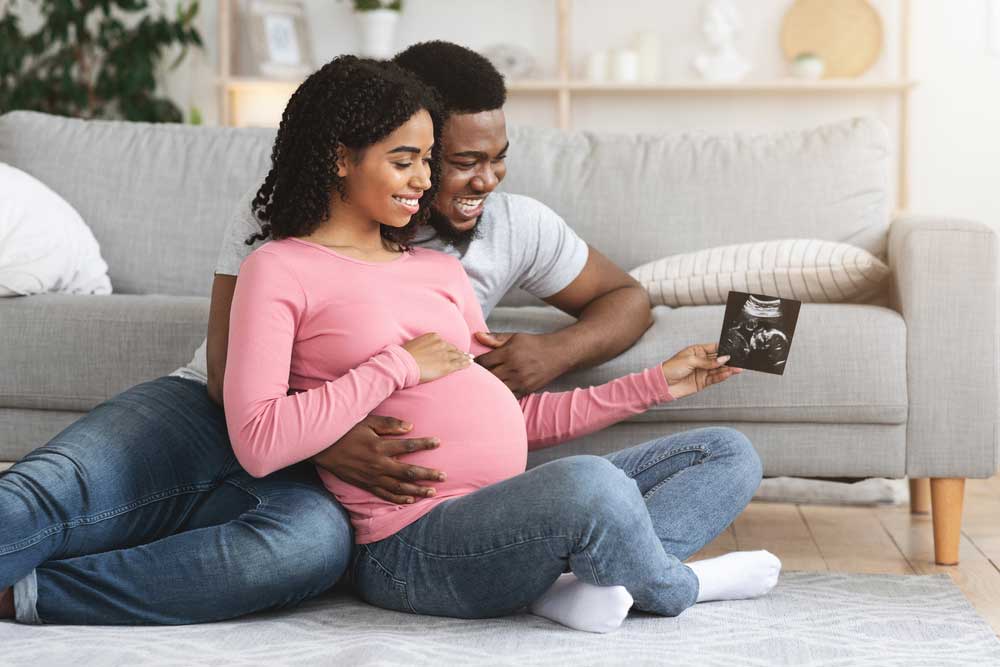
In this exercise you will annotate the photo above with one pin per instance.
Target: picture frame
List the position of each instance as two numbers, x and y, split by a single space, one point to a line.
276 39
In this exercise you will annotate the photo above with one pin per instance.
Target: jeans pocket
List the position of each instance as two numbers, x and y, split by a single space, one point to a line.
376 585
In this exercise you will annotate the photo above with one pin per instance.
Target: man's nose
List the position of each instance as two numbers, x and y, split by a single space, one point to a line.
485 181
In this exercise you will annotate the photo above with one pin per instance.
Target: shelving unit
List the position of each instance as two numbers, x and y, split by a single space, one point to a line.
563 87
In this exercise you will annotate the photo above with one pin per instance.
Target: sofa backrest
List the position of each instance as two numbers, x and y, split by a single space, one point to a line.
158 197
639 197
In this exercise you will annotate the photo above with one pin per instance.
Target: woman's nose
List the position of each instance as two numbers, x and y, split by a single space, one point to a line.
422 181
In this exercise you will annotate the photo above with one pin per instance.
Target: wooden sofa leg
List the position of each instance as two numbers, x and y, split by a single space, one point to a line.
947 494
920 496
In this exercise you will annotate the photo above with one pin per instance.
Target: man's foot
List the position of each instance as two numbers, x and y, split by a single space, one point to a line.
582 606
736 576
7 603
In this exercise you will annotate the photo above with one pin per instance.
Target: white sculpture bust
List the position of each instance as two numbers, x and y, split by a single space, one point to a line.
722 62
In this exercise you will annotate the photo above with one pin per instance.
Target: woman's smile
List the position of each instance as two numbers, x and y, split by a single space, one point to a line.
410 203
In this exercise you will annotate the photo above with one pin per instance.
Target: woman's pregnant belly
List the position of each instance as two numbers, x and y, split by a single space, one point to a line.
481 430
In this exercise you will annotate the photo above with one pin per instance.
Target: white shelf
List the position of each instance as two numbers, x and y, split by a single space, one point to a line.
555 86
564 88
241 83
775 86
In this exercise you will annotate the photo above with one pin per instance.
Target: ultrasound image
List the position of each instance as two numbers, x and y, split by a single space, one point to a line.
757 331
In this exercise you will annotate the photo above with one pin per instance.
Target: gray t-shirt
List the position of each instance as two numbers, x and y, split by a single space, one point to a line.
523 244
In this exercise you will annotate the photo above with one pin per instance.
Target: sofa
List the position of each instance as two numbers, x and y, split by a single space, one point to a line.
901 385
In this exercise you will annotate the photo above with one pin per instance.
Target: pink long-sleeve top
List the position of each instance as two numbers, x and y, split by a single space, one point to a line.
315 346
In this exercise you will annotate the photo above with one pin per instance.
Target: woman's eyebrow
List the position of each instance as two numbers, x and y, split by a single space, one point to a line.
404 149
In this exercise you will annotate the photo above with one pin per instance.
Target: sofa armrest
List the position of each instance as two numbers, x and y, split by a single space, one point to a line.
71 352
944 284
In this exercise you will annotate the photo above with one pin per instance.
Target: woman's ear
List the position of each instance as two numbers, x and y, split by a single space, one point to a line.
343 160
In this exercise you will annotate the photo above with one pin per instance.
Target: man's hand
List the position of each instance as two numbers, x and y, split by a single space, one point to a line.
366 459
696 367
524 362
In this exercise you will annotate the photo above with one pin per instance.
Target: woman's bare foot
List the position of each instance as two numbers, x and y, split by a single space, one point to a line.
736 576
7 603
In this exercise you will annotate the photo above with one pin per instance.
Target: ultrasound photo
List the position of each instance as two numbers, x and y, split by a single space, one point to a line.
757 331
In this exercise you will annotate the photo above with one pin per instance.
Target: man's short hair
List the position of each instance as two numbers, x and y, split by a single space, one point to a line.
465 81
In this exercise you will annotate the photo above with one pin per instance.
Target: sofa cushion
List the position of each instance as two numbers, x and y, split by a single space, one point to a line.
846 365
46 246
71 352
808 270
639 197
156 196
113 342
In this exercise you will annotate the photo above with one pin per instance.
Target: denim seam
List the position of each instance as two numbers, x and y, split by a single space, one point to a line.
593 569
103 516
261 502
669 454
683 450
488 551
398 583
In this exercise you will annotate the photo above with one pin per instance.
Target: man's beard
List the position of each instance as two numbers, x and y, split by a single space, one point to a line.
447 233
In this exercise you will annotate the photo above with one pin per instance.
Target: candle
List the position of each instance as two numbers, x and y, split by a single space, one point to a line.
625 66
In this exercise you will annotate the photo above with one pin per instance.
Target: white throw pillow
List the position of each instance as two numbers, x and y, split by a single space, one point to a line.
809 270
45 246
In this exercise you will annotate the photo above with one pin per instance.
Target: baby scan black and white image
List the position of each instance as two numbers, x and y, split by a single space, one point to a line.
757 331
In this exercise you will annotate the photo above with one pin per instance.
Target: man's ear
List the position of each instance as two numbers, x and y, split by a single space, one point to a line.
344 158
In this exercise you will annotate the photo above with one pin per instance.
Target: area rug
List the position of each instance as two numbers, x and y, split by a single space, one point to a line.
810 619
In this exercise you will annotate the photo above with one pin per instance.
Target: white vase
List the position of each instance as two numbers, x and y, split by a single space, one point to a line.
597 66
808 67
625 66
648 46
378 32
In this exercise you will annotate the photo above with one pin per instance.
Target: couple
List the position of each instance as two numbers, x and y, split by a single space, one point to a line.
160 507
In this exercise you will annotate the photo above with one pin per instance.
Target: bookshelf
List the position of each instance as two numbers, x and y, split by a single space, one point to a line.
563 88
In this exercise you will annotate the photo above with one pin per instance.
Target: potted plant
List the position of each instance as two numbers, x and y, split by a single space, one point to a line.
93 59
378 19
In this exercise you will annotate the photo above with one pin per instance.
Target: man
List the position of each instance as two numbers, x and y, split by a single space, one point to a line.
176 531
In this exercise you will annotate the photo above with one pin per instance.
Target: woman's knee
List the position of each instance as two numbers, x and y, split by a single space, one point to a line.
734 447
593 485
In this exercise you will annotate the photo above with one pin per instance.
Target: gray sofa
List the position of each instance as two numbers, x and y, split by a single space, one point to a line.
904 385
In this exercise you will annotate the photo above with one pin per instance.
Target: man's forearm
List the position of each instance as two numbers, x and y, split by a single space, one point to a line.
606 327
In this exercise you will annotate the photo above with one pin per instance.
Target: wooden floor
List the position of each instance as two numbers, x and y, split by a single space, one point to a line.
878 540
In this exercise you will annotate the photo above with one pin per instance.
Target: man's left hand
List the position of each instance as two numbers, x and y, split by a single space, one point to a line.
524 362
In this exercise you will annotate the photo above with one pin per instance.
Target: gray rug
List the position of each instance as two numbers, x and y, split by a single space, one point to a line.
814 619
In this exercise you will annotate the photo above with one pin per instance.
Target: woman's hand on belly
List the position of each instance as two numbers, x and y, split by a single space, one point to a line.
364 458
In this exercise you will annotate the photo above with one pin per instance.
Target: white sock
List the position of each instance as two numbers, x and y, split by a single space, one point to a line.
582 606
736 576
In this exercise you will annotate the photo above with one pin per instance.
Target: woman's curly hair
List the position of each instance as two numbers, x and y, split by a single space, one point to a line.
350 101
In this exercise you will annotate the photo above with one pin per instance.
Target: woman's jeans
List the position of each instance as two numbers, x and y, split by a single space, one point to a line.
628 518
139 513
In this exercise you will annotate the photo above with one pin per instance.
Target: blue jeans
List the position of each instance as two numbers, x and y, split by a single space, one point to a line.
628 518
139 513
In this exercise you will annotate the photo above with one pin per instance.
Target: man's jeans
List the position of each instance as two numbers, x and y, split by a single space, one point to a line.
627 519
139 513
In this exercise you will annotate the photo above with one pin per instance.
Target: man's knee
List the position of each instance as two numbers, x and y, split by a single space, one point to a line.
303 543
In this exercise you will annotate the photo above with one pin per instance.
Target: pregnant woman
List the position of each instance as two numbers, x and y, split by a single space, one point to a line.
338 317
